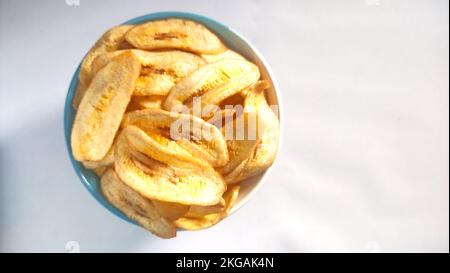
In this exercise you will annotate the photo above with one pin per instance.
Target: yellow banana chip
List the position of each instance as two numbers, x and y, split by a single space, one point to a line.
145 102
210 219
175 33
100 170
213 83
201 211
161 70
135 206
79 93
220 116
112 40
160 148
107 160
228 54
169 210
101 109
156 180
234 100
101 164
204 141
250 157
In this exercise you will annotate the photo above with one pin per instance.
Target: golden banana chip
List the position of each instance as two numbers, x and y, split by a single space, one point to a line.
201 211
219 117
145 102
107 160
169 210
208 142
213 83
175 33
100 170
160 148
156 180
103 163
250 157
228 54
234 100
210 219
135 206
102 108
112 40
161 70
79 94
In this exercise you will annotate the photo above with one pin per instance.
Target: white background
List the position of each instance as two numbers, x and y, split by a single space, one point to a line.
364 159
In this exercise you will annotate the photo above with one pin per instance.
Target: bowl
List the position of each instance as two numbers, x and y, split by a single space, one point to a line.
234 41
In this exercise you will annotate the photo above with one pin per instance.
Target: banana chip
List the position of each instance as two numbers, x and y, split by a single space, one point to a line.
112 40
209 220
107 160
220 116
213 83
251 157
208 143
156 180
237 99
100 170
175 33
102 108
201 211
228 54
135 206
161 70
145 102
79 94
99 166
160 148
171 211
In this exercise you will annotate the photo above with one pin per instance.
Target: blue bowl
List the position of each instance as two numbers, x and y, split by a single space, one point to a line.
235 42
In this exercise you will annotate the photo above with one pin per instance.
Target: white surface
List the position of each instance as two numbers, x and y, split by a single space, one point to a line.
364 161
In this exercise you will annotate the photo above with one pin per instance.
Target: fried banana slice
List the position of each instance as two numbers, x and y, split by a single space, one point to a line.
219 117
213 83
107 160
199 138
135 206
111 40
171 211
161 70
234 100
100 171
145 102
191 223
250 157
239 152
99 166
100 113
201 211
156 180
79 93
160 148
228 54
175 33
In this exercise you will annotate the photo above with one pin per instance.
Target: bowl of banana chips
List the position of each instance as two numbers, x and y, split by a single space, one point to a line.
172 121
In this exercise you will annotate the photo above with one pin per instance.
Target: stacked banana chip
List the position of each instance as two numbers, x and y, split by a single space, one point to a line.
172 120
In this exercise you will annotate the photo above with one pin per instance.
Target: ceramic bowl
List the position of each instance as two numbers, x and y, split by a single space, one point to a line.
234 41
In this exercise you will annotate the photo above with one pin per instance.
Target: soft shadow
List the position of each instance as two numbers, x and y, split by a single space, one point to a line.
43 205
